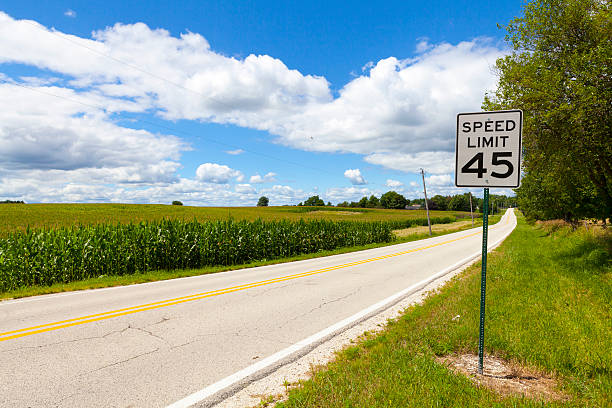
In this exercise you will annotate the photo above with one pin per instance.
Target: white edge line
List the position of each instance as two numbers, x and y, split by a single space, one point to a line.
212 389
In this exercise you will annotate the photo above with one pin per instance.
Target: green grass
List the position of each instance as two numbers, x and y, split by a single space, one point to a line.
150 276
17 217
549 307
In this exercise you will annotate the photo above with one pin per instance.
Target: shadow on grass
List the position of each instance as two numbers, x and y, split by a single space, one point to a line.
591 253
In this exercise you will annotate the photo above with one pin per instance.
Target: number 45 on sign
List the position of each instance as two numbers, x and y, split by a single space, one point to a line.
488 149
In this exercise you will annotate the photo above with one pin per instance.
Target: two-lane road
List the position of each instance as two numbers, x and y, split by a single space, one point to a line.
154 344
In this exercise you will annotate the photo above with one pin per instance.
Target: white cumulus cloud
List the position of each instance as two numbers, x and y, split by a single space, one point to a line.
268 178
339 194
398 114
354 176
245 189
439 180
217 173
394 183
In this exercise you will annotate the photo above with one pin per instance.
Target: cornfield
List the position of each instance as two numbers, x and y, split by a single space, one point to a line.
413 222
66 254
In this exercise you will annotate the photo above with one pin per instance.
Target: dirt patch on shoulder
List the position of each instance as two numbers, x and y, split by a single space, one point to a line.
506 378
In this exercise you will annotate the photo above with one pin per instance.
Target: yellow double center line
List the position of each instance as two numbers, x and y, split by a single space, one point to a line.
28 331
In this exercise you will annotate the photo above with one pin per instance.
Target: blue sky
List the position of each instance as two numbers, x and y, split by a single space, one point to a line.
218 103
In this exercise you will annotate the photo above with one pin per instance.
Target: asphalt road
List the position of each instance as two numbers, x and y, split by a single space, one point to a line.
154 344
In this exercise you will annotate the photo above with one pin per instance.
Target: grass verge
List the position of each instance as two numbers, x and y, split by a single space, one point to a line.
152 276
548 308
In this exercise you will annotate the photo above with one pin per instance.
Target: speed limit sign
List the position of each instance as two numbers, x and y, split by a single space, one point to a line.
488 149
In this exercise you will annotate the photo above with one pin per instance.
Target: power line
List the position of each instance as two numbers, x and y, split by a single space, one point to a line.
173 130
133 66
128 64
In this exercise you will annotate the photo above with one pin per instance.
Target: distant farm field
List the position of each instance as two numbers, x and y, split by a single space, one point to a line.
47 248
18 217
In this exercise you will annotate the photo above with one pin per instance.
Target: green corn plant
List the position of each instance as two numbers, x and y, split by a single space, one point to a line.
45 257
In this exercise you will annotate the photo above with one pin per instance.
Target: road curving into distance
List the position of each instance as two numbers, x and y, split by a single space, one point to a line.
194 340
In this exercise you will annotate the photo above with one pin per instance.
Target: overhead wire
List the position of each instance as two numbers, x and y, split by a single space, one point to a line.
128 64
144 71
173 130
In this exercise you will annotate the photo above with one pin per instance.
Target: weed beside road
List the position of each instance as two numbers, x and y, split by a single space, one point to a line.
549 297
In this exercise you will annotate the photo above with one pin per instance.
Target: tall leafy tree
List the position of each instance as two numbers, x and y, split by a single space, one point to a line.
460 202
440 202
314 201
392 199
559 75
373 201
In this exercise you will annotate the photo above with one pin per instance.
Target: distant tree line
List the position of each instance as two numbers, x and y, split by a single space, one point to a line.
11 202
394 200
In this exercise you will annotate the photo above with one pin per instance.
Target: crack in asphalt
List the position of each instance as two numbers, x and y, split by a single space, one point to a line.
164 319
150 333
319 307
121 331
119 362
201 337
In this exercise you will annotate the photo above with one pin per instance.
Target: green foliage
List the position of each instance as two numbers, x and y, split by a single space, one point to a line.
546 309
373 202
326 211
17 217
542 196
45 257
440 202
314 201
391 199
460 203
263 201
414 222
559 75
176 202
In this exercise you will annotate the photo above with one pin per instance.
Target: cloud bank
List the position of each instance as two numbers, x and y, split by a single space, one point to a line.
399 114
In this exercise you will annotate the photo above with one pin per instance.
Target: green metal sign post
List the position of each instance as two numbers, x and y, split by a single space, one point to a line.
483 279
488 154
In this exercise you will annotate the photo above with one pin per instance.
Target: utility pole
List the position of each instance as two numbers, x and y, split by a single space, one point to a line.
471 210
426 205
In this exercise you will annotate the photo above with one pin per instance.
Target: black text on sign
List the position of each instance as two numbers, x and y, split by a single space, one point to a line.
488 149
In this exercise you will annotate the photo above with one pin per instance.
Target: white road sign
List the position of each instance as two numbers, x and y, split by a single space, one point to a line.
488 149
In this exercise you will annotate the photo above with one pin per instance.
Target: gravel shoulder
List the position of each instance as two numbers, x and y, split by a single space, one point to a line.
274 387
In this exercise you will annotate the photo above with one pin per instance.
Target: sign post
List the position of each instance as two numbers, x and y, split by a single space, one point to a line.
483 276
488 154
